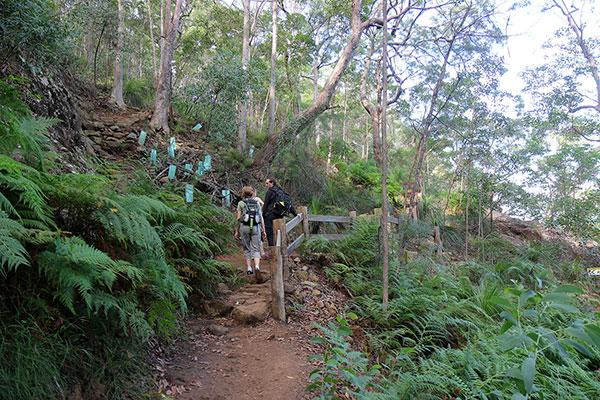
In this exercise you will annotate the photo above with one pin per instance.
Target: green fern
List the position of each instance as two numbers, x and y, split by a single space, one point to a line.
19 131
12 252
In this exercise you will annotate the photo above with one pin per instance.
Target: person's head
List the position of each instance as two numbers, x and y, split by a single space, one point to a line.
270 183
247 192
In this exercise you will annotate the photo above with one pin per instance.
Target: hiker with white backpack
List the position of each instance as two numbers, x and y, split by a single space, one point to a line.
248 230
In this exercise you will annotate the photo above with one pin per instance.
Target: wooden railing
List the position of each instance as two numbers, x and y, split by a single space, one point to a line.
280 269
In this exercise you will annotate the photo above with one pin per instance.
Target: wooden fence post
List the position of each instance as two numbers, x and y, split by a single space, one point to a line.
437 238
353 215
277 291
305 229
279 225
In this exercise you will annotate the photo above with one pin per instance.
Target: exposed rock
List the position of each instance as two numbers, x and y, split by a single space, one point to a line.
313 277
287 288
223 289
302 275
218 330
217 308
250 313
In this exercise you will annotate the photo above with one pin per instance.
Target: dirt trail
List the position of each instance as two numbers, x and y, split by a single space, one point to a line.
223 359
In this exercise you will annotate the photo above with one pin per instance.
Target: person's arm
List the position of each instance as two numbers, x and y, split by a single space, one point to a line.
262 226
236 235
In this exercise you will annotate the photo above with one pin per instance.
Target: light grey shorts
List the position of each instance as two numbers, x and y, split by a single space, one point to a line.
250 241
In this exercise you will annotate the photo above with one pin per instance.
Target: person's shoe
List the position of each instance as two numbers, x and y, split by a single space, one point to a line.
258 276
249 272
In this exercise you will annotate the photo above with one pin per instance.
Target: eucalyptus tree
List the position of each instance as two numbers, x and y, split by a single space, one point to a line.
273 71
116 96
441 50
323 100
566 85
243 116
162 97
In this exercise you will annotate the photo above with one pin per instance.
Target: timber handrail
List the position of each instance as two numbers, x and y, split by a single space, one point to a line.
280 268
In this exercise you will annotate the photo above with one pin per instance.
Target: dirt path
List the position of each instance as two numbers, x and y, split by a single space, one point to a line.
225 359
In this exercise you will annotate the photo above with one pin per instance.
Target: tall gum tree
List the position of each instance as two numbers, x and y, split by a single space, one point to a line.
566 86
116 95
323 100
162 98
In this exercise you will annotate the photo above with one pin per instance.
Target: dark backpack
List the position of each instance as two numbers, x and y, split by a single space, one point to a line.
282 204
252 215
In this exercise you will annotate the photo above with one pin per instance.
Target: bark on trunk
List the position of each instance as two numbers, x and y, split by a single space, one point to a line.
243 116
116 95
152 43
384 213
162 99
321 103
272 135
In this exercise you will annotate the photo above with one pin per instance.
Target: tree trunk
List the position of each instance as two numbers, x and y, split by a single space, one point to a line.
384 211
428 121
152 43
372 111
243 116
330 145
321 103
116 95
272 135
162 99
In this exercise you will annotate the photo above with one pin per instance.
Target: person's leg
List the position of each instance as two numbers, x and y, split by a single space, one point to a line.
246 239
255 253
269 230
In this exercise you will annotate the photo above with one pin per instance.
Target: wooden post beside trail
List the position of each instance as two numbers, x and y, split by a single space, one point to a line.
304 211
437 238
279 225
277 291
353 215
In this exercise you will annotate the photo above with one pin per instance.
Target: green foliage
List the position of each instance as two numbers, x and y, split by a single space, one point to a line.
19 131
342 368
31 28
138 93
213 99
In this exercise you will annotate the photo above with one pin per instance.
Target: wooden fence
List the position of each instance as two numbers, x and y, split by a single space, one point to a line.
280 270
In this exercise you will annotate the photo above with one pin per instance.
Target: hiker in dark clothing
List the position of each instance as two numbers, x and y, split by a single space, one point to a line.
267 210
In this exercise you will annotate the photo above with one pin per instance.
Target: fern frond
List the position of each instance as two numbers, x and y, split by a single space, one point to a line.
12 252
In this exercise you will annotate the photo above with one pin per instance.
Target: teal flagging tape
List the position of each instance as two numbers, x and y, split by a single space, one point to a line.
171 151
189 193
207 166
226 197
200 170
172 143
187 167
142 138
197 127
172 169
251 151
153 156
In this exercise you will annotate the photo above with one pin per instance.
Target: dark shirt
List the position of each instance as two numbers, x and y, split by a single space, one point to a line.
270 199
